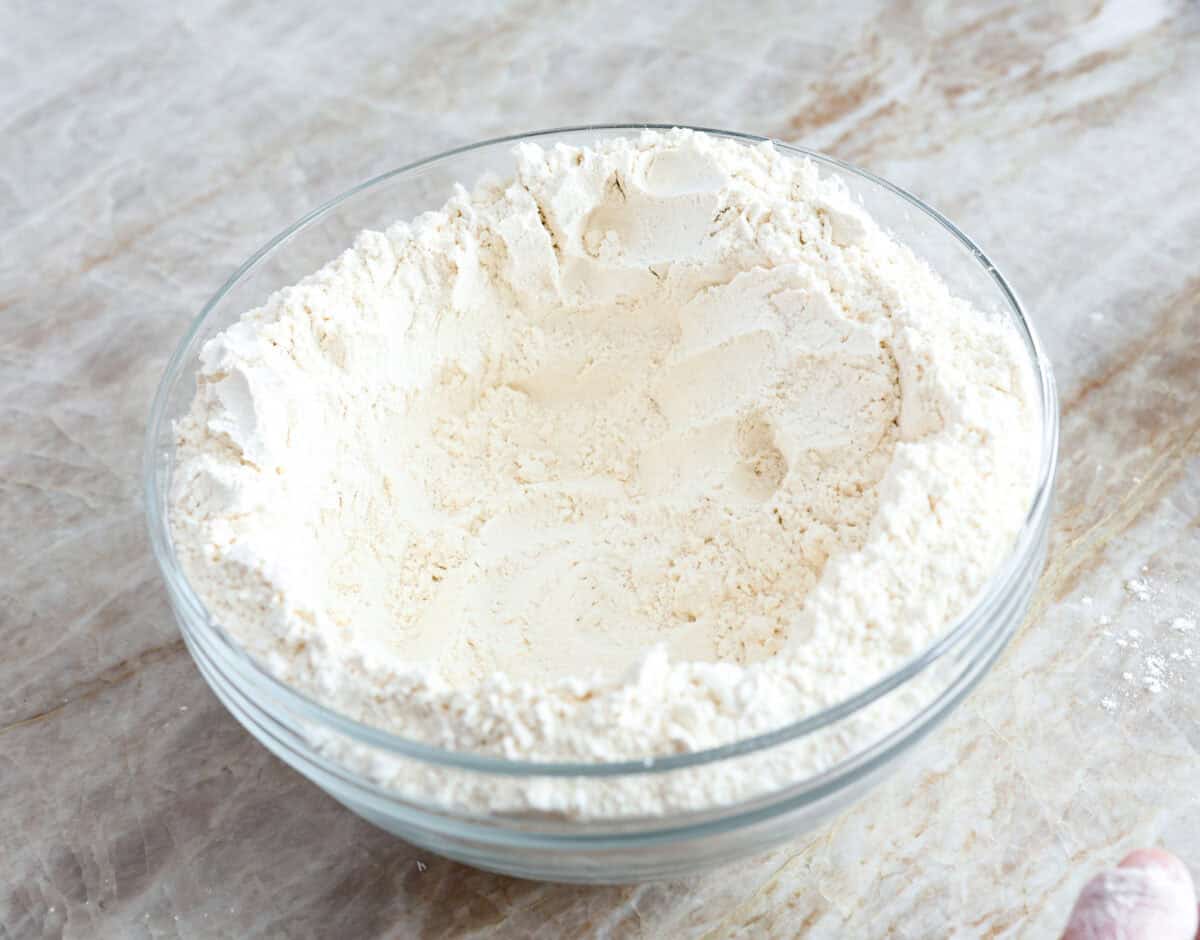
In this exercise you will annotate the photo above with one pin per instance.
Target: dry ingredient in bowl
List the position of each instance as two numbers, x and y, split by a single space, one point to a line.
651 447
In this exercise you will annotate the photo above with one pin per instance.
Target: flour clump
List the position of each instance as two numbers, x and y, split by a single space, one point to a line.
649 447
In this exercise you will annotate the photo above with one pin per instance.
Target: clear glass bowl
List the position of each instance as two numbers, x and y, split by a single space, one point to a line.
349 759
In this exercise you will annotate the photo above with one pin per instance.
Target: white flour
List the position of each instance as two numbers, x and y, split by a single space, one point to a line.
649 448
1153 657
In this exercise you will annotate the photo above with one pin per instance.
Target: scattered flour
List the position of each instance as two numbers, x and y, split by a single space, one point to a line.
1154 651
646 449
1138 588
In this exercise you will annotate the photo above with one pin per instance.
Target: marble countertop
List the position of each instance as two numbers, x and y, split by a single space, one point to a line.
146 151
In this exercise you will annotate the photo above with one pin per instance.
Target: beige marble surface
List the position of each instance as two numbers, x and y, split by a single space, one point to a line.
146 150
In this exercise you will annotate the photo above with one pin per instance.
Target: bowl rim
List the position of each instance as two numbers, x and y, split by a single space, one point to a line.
994 591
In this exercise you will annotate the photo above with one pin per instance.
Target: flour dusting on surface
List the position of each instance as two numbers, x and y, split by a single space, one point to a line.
1156 656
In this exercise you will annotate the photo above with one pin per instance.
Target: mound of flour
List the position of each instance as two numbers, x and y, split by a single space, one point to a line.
647 448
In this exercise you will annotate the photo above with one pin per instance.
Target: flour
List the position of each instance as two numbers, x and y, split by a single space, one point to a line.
646 449
1138 588
1156 657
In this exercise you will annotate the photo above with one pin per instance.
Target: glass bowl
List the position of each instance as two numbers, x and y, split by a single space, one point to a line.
394 782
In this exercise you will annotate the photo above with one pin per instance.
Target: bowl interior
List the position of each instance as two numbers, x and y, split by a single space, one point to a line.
405 193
